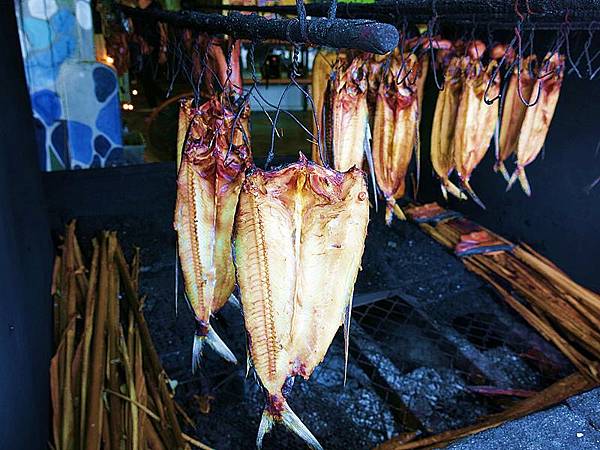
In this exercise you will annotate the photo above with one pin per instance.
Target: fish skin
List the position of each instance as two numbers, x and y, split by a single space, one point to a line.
322 67
537 120
513 112
442 130
350 114
300 234
476 121
395 136
208 186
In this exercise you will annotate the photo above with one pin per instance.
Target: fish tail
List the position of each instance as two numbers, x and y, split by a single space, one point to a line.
467 187
524 182
513 178
499 166
205 334
217 344
449 187
444 190
392 209
291 421
197 351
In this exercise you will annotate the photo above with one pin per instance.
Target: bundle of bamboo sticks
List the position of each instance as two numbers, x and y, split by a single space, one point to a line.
561 310
565 313
108 387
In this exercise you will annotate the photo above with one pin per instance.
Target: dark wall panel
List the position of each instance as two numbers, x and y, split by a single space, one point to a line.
25 260
561 220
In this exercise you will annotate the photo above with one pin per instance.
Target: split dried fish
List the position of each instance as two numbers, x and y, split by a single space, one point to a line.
349 115
395 135
476 120
442 131
300 234
538 117
321 73
208 186
513 113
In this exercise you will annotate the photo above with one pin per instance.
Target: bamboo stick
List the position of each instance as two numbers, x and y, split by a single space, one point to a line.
94 413
130 383
556 393
67 419
154 362
112 330
88 331
534 320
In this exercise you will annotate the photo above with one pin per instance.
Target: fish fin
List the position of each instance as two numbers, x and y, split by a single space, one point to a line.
197 351
234 301
347 318
217 344
499 166
369 156
291 421
513 178
398 212
266 423
444 191
248 360
453 189
467 187
524 182
176 276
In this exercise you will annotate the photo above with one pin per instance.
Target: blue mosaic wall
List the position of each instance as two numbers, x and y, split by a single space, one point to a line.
74 99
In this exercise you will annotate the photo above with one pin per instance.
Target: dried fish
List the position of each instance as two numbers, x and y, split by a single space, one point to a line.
442 132
537 118
395 134
322 67
350 114
208 185
476 120
300 235
513 112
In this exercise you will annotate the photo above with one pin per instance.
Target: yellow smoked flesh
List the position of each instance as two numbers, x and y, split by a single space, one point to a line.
476 120
394 134
350 115
513 110
444 122
538 117
208 189
299 239
322 67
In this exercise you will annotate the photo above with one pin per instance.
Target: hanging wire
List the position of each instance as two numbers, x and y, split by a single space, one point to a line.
430 33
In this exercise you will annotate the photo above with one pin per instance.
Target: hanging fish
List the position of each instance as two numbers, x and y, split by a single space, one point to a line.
395 135
300 234
442 130
208 186
375 67
476 120
322 67
349 114
538 117
513 112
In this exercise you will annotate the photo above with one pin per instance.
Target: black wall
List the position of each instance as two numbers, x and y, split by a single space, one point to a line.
560 220
25 260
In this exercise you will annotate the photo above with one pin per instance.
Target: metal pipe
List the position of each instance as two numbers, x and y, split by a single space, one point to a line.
366 35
